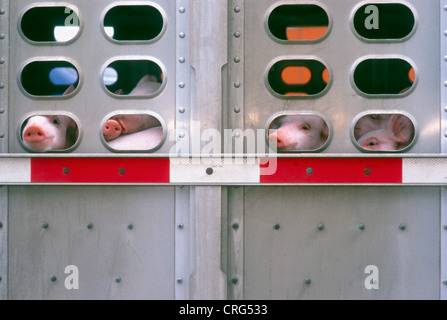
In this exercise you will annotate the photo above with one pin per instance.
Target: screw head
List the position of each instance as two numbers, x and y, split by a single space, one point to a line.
90 226
309 171
402 227
235 226
118 279
180 226
209 171
66 170
234 281
122 171
307 280
362 227
53 279
321 227
179 280
45 225
276 226
130 226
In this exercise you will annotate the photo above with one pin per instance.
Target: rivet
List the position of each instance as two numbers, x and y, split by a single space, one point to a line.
181 10
90 226
180 226
309 171
182 85
237 109
118 279
445 58
445 7
237 84
321 226
235 226
45 225
2 110
182 59
53 279
121 171
445 227
445 84
237 59
1 225
130 226
402 227
2 60
445 109
181 135
276 226
2 85
237 9
237 34
2 36
179 280
0 279
66 170
234 281
209 171
237 134
307 280
367 171
182 35
181 110
2 135
444 282
2 11
362 227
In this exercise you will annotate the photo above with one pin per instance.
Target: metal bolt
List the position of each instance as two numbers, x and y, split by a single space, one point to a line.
235 226
53 279
237 84
130 226
367 171
182 85
321 227
122 171
209 171
181 10
182 35
276 226
45 225
66 170
402 227
237 9
234 281
362 227
118 279
307 280
309 170
182 59
237 109
237 59
237 34
179 280
181 110
90 226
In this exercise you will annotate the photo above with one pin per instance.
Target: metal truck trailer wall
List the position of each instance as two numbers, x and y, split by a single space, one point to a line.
330 235
121 239
90 53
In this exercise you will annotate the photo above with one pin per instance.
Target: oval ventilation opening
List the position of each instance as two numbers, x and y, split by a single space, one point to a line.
133 23
49 133
384 76
50 24
384 21
298 77
132 132
49 78
298 133
298 22
384 132
133 78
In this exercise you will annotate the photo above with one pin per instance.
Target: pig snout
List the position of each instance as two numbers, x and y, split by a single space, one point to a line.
111 130
34 133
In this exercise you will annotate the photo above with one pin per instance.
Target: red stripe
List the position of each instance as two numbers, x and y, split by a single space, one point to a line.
100 170
333 170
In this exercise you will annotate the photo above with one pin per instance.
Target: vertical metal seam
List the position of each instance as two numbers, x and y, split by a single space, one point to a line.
182 123
4 101
443 137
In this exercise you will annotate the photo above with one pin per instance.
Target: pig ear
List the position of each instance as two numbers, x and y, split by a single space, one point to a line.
401 127
70 89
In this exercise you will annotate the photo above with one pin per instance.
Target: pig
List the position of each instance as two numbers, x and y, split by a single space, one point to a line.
299 133
50 132
132 123
143 140
370 122
397 134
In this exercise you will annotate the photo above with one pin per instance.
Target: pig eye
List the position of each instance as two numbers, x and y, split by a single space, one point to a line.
372 144
306 127
56 121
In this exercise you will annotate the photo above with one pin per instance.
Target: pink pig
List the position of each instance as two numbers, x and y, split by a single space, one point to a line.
299 133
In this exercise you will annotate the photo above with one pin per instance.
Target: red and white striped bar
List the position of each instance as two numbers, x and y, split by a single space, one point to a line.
224 171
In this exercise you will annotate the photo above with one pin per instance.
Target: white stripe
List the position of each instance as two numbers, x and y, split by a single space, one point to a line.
424 170
224 171
15 170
